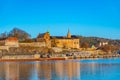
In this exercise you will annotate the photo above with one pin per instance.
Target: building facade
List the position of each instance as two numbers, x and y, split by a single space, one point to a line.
12 42
44 37
66 42
103 43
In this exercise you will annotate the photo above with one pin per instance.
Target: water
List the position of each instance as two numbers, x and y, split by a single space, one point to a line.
101 69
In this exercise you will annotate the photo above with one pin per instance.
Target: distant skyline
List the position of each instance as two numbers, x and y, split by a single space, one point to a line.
98 18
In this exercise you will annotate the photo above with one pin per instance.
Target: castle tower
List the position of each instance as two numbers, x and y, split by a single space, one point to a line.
68 34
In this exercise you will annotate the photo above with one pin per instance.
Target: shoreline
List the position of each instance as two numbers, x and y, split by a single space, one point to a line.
30 60
61 58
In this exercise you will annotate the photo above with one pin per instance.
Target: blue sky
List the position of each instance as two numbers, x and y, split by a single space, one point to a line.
99 18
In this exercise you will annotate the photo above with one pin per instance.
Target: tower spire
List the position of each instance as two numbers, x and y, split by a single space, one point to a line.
68 34
48 30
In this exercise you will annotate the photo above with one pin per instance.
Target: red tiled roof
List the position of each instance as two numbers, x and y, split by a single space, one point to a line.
12 39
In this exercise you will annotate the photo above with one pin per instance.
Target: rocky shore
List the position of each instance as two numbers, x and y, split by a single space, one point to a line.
58 58
46 54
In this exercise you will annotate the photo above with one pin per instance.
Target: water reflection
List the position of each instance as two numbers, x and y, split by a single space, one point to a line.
11 71
39 71
59 70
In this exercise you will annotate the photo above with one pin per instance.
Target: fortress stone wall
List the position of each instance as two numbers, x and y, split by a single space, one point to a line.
33 44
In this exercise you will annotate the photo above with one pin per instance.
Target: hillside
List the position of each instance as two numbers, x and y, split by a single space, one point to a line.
96 40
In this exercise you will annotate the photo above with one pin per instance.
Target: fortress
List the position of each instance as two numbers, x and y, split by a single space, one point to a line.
68 41
45 40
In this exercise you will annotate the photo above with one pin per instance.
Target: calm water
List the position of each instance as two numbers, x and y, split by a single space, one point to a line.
102 69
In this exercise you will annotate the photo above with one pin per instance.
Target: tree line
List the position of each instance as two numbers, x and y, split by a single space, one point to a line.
88 42
16 32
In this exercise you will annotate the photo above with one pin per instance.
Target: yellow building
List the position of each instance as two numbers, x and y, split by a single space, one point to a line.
59 41
45 37
65 42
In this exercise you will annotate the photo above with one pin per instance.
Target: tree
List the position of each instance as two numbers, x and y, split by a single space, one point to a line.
84 45
3 35
109 48
20 34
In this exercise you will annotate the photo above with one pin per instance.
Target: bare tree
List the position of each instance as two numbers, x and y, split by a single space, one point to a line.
3 35
20 34
109 48
84 45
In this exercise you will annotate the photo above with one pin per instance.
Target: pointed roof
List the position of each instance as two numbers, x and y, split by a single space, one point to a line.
68 34
68 30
